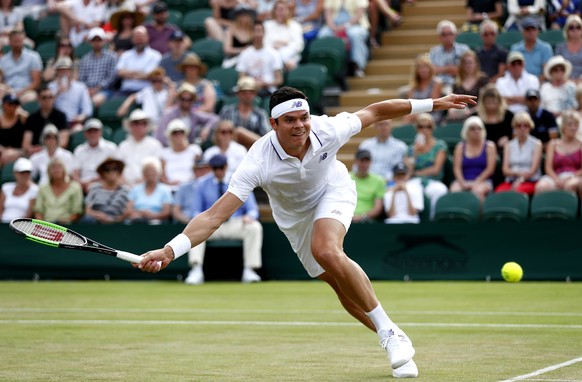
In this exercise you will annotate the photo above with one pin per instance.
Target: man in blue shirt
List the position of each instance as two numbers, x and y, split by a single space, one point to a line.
535 51
243 225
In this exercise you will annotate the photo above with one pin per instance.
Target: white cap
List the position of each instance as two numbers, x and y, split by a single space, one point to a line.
96 32
22 165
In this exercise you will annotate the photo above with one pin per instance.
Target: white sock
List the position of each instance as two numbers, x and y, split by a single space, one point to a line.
380 318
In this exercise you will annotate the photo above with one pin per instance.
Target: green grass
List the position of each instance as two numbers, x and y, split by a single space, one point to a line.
282 331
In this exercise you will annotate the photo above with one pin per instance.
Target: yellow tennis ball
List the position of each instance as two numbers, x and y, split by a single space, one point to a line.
512 272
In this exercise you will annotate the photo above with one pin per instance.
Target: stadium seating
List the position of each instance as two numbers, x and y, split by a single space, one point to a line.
310 79
506 206
506 39
458 206
31 107
185 6
82 49
7 175
107 112
47 27
210 51
46 50
554 205
450 133
405 133
473 39
193 23
552 37
174 17
224 80
331 53
118 136
30 27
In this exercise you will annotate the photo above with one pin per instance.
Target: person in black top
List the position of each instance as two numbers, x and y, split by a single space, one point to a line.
546 127
47 113
480 10
491 56
12 120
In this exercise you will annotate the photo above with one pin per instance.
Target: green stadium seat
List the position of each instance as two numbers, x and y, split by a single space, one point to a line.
405 133
310 79
7 175
82 49
224 80
331 53
554 205
118 136
210 51
47 27
46 50
552 37
472 39
107 112
506 39
30 27
506 206
458 206
31 107
450 133
193 23
174 17
185 6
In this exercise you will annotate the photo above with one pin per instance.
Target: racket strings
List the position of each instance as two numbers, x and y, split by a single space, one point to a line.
49 233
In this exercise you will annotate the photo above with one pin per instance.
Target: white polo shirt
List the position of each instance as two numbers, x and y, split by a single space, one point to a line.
296 187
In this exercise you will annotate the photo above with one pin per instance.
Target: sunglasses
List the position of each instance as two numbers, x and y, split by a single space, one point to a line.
177 132
474 128
65 46
182 99
573 27
157 80
516 63
522 125
225 132
47 97
558 69
111 169
488 34
424 127
218 168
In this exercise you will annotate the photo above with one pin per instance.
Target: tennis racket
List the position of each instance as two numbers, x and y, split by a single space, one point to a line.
55 235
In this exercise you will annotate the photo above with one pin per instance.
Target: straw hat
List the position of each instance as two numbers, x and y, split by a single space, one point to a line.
110 160
127 8
557 61
192 59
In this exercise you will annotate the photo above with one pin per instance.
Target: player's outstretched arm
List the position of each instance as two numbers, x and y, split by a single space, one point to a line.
198 230
395 108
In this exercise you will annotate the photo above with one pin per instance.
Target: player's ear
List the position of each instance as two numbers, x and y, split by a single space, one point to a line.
273 122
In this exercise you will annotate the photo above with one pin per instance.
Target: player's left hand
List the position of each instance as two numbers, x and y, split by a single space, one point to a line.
454 101
156 260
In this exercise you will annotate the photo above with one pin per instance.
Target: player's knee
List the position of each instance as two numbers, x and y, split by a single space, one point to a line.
328 257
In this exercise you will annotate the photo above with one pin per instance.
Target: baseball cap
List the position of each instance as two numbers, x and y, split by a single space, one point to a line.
11 98
363 154
92 123
218 160
177 35
22 165
515 56
399 168
530 22
532 93
160 7
96 32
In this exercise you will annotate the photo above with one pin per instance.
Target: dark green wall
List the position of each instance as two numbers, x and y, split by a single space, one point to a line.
450 251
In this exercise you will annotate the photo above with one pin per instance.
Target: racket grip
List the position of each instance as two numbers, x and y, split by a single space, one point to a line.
128 257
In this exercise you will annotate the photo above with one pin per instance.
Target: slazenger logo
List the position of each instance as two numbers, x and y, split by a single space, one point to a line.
297 104
323 157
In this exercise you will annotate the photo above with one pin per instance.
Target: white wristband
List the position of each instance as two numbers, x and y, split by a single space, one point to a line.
180 245
420 105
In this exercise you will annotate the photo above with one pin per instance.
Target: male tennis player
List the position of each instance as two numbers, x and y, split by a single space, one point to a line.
313 200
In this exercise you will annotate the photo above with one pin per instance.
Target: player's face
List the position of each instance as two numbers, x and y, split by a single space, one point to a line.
293 130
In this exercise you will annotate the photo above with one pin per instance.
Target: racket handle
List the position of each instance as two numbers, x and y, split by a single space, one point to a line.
128 257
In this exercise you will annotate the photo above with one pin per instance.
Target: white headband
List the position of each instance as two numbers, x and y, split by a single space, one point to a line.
291 105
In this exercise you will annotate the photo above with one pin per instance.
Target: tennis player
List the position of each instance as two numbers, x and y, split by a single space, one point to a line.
313 200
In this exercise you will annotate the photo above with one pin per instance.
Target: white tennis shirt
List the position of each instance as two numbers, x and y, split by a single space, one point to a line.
295 187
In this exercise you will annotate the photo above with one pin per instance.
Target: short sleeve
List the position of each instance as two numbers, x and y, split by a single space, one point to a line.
246 178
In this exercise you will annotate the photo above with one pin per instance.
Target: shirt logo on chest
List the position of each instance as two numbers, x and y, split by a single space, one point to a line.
322 157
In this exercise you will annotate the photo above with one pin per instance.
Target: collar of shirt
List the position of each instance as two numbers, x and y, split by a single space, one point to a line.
282 154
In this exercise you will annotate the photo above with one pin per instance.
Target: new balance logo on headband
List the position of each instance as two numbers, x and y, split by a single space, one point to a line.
297 104
289 106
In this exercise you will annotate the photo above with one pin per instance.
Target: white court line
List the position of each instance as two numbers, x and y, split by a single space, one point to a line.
278 311
278 323
544 370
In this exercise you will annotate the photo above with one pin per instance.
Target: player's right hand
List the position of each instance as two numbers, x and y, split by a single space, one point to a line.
156 260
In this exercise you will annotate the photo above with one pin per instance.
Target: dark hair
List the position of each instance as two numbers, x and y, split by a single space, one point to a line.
283 94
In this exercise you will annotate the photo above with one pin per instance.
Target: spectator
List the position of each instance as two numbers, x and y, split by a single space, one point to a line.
78 17
470 79
403 201
178 158
151 200
199 122
369 187
475 159
171 60
185 198
519 10
559 10
261 62
348 20
545 125
225 145
123 22
90 154
71 96
492 57
559 93
496 117
136 64
309 13
12 122
285 34
516 81
194 71
424 84
60 199
153 99
481 10
521 157
251 122
222 17
386 150
428 156
242 225
17 198
392 17
108 198
239 34
160 31
571 49
563 162
21 68
11 19
51 150
46 114
137 146
97 69
445 56
64 48
535 51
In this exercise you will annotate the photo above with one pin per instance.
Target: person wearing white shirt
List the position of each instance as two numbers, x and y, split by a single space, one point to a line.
179 157
386 150
224 144
404 200
17 198
50 141
313 199
516 81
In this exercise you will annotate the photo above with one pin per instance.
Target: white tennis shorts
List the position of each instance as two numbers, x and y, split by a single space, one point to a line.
338 202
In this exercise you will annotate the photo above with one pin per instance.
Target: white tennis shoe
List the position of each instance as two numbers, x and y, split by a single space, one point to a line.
195 276
250 276
397 345
408 370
